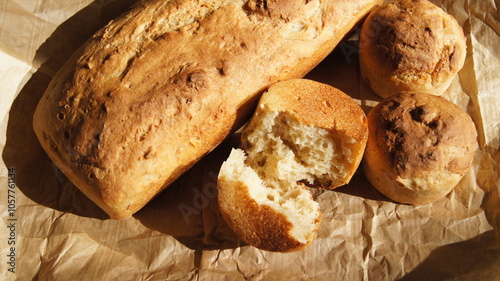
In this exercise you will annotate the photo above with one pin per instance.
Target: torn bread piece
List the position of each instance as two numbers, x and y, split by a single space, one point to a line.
302 134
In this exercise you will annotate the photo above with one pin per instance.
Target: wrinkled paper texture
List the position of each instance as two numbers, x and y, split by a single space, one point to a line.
59 234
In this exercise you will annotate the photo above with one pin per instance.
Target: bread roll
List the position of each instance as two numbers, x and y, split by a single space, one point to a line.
303 133
419 147
410 45
162 85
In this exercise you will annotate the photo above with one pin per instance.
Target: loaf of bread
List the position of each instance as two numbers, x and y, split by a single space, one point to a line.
159 87
410 45
419 147
303 133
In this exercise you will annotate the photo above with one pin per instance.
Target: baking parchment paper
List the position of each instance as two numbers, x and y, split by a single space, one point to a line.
59 234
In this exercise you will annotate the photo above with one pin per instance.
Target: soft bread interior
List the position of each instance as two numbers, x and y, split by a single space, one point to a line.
284 150
292 200
281 156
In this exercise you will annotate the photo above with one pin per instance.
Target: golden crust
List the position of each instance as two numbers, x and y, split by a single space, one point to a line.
410 45
317 104
159 87
257 225
419 147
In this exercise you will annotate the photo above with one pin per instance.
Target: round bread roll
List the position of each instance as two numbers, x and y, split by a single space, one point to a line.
303 133
419 147
410 45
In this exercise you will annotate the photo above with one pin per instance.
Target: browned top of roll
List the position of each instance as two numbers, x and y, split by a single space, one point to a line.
422 132
318 104
415 37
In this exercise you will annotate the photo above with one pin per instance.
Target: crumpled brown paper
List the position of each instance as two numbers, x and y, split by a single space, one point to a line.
59 234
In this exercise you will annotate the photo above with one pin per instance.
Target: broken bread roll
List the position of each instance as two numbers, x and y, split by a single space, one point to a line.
419 147
303 133
267 215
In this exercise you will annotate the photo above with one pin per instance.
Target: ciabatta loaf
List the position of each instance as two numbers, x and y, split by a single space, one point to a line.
303 133
163 84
